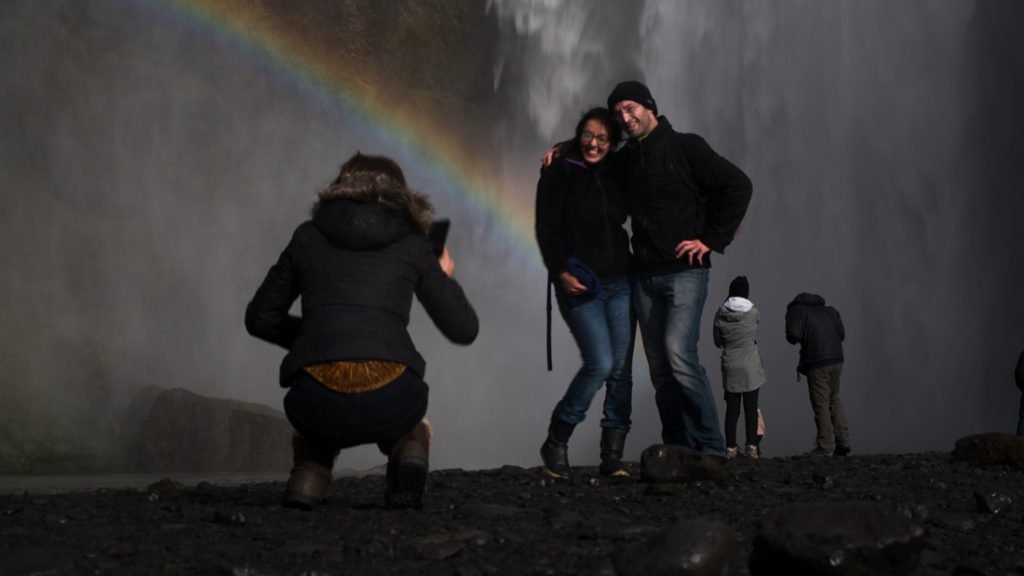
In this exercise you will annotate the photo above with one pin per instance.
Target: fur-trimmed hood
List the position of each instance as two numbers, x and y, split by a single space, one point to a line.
363 212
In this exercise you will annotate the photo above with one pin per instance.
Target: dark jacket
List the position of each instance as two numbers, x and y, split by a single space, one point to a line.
580 212
678 189
818 329
356 265
1018 374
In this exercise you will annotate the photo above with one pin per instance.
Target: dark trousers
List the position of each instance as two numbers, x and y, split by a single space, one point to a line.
333 419
829 418
733 400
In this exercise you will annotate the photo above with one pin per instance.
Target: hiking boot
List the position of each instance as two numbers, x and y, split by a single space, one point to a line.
408 465
752 452
731 452
841 450
555 450
310 476
612 442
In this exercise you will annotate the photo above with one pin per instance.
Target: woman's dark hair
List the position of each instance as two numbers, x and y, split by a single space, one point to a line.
369 166
364 177
604 116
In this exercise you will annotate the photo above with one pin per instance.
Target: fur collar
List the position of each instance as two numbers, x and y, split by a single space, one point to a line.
383 190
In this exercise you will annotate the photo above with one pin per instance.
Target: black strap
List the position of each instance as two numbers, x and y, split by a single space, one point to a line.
549 325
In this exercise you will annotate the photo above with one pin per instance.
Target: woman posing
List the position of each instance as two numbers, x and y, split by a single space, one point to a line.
352 372
579 225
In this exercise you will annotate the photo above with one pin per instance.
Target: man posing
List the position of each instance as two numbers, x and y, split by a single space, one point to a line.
685 200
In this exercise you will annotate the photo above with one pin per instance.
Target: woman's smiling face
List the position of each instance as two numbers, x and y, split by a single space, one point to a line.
595 142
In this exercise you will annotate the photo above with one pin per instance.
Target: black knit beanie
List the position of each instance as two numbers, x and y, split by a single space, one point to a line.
739 287
635 91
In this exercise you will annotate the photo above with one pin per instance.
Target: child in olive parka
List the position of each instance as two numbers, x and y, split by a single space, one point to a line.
742 369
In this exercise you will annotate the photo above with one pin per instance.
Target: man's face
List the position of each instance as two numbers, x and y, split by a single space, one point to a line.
636 120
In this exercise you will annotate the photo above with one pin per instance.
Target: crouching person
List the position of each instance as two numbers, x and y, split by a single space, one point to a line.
353 374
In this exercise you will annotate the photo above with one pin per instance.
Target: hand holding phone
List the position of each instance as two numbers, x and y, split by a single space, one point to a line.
438 234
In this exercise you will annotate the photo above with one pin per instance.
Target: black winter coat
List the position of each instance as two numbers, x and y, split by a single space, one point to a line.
356 265
818 329
678 189
1018 374
580 212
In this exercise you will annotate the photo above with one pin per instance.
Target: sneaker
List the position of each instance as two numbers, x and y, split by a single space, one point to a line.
752 452
731 452
820 452
841 450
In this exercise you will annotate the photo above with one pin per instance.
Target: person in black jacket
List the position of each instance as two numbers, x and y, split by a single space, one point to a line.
684 201
579 224
819 330
352 372
1018 375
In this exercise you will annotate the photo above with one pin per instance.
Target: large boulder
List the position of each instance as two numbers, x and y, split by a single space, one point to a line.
700 547
180 431
667 463
837 539
990 449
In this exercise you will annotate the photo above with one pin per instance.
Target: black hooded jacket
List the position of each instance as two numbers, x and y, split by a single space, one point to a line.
818 329
1018 374
580 212
357 265
678 189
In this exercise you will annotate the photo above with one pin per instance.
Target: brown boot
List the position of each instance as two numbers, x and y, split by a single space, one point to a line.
311 474
408 464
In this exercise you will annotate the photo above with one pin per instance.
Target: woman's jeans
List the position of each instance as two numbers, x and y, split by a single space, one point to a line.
668 309
333 419
604 329
733 400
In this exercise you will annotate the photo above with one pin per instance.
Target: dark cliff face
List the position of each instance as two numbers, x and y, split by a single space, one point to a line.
993 79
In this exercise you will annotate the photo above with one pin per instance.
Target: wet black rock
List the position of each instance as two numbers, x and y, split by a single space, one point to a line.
700 547
992 500
991 448
507 521
847 538
668 463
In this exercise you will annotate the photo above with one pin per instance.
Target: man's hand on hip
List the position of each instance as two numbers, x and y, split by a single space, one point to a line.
691 248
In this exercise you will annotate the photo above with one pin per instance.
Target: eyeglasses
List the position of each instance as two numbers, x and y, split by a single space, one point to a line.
586 137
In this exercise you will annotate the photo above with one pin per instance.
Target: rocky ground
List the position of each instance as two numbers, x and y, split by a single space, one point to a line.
964 519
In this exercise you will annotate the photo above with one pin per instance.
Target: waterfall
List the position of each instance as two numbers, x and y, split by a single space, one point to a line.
153 165
853 120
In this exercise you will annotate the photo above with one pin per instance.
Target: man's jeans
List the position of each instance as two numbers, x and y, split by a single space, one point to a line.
669 309
604 328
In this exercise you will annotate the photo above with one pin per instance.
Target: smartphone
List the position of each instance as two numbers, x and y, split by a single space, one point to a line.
438 234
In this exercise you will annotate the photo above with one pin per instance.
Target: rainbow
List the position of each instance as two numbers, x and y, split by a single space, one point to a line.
298 60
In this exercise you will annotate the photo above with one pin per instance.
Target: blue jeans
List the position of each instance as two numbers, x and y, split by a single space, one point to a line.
603 327
669 309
